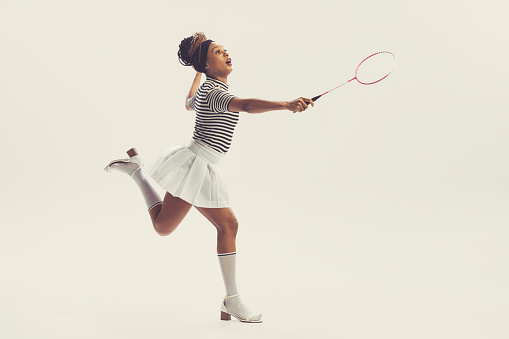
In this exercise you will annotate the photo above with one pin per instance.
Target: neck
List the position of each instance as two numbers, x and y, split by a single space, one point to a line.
219 77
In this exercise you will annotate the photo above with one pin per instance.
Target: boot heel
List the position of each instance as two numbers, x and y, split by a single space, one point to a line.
132 152
225 316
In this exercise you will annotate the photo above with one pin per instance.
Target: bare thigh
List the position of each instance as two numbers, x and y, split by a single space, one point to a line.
221 218
170 214
226 224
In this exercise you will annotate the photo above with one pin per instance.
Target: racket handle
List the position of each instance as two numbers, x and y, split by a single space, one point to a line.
314 99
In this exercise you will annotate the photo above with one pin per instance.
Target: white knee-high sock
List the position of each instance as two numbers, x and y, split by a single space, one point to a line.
234 305
133 169
151 197
227 261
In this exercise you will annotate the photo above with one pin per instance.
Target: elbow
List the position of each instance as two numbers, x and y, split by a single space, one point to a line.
248 107
188 106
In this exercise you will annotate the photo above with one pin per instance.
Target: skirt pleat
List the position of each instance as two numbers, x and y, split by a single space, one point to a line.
192 173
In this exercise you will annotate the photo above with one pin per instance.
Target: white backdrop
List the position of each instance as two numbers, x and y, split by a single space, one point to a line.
380 213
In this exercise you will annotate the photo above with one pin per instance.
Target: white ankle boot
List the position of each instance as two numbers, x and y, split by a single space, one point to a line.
238 310
132 166
128 166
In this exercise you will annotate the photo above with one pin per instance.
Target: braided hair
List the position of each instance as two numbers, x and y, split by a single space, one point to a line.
193 51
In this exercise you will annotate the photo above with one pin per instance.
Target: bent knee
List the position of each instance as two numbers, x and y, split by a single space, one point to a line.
230 227
164 229
162 233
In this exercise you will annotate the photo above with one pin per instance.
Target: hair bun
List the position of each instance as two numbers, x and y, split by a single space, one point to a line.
188 46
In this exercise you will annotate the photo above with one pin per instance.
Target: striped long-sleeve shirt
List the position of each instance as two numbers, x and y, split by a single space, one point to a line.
214 124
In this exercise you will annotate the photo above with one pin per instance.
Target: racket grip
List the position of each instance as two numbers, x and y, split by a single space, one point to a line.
314 99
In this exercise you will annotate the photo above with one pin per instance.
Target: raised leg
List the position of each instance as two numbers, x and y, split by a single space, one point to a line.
165 215
168 215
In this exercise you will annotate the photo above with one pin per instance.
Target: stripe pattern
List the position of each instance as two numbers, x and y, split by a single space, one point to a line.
226 254
154 205
214 123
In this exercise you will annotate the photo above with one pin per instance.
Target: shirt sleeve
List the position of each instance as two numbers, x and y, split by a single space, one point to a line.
219 100
192 101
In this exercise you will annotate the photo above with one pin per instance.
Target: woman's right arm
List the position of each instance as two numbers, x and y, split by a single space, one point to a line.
194 88
262 106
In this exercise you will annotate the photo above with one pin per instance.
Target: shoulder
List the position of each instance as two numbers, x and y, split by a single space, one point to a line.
208 85
217 97
214 89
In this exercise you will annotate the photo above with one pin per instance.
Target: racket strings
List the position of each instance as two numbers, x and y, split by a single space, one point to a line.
375 67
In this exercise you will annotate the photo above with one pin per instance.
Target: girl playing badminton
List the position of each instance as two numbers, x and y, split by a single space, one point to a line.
191 174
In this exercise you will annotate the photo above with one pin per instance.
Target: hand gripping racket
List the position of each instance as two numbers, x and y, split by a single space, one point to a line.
371 70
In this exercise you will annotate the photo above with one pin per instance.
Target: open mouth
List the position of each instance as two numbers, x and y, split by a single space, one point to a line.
229 62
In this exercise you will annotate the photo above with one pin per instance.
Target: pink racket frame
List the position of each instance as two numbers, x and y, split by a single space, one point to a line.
355 77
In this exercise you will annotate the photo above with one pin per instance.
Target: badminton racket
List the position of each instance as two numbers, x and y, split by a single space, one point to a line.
371 70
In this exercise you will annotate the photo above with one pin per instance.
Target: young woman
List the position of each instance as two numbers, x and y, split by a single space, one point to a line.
191 174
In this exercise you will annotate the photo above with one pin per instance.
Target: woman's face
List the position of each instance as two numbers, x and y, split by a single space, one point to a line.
219 63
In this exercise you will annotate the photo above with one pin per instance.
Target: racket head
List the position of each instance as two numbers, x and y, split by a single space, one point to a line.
375 68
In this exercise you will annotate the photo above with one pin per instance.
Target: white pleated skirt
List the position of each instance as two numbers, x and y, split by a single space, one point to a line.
192 173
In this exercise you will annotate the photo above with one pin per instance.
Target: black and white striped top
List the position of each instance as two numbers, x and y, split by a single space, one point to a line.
214 124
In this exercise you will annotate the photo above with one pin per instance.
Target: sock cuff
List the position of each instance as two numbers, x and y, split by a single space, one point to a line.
226 254
154 205
135 171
